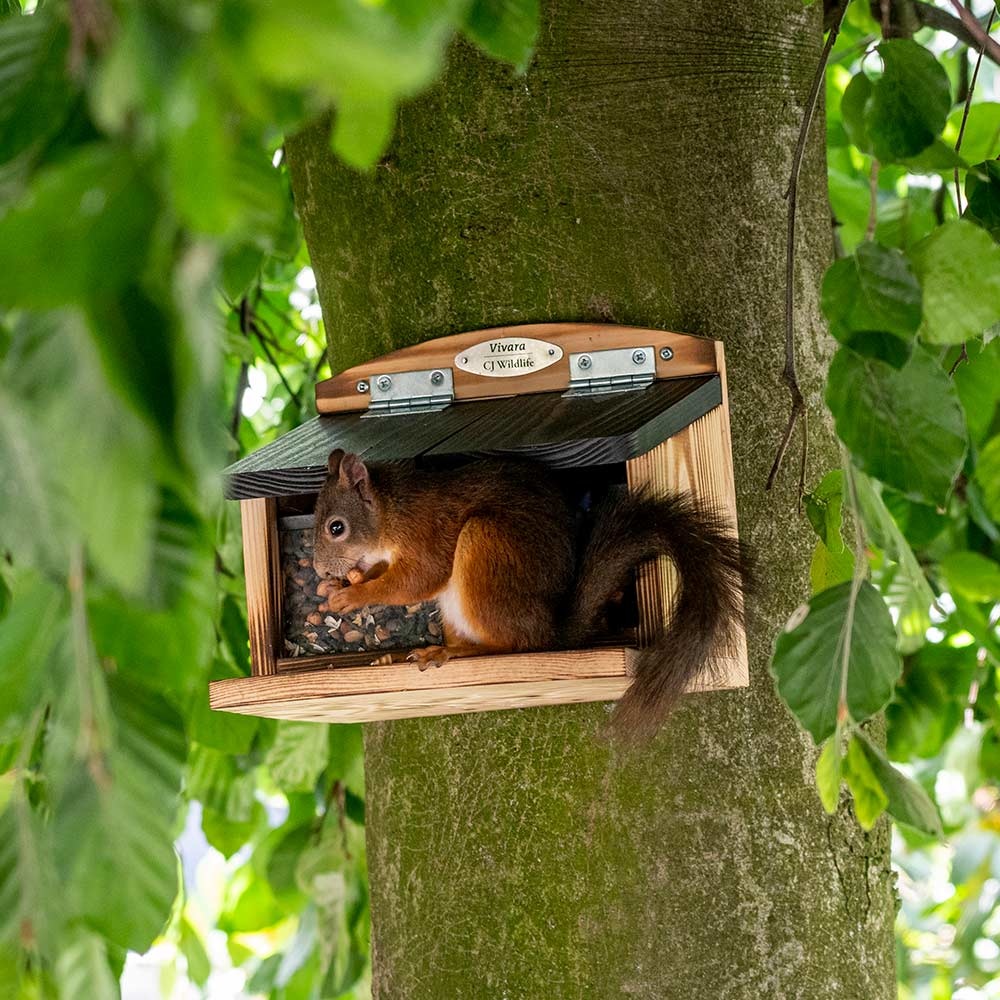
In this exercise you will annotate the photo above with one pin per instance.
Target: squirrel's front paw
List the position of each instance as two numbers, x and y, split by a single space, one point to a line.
347 599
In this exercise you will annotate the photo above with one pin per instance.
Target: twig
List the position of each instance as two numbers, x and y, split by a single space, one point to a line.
981 37
789 374
963 355
937 19
242 379
262 340
968 106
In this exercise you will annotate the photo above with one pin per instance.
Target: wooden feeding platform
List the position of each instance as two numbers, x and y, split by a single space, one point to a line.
606 406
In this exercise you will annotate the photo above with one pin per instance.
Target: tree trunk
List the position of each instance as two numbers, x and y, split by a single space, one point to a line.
635 175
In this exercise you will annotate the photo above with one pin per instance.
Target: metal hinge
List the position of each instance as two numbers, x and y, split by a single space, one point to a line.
409 392
619 370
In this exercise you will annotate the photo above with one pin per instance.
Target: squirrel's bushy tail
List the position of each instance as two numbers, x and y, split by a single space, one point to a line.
707 613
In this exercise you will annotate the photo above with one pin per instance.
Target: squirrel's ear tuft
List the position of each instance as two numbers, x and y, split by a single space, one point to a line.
354 475
333 462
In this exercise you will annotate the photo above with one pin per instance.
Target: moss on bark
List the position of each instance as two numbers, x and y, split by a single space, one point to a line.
635 175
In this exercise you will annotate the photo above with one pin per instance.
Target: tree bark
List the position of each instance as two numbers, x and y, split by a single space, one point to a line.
635 175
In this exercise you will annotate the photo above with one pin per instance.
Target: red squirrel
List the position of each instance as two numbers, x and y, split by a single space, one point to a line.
495 544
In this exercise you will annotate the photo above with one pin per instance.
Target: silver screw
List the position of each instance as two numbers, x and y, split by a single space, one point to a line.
437 378
465 360
384 382
666 353
362 386
639 357
552 351
584 361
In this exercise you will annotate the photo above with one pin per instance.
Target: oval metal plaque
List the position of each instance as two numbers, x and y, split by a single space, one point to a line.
507 357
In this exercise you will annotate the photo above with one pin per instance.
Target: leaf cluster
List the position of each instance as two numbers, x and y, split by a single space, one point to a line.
158 318
903 616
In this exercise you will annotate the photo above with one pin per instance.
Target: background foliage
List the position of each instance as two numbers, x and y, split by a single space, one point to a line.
159 317
904 612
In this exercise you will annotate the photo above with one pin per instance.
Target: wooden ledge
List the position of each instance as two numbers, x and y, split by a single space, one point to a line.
402 690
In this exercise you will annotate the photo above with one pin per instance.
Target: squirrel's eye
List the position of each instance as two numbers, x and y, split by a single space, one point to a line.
336 528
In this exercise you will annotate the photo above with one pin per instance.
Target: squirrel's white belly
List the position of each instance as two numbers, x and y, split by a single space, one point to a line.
453 615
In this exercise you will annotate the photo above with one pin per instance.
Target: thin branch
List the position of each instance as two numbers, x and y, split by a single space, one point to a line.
789 374
242 380
255 328
981 38
933 17
968 107
963 355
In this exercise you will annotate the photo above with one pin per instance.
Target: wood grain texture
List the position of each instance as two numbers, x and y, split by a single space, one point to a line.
697 460
692 355
263 577
559 431
473 684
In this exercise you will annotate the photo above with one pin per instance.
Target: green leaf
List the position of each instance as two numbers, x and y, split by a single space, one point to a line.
29 631
198 151
981 138
873 290
827 568
362 128
870 799
31 907
35 91
903 426
828 774
96 202
959 269
284 859
199 965
988 476
298 756
902 222
920 523
250 904
808 660
982 194
226 731
227 835
504 29
909 104
937 158
82 969
853 107
904 585
906 801
972 575
113 825
929 703
978 386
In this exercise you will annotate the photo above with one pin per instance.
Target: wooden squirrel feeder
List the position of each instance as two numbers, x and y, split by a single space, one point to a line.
644 407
